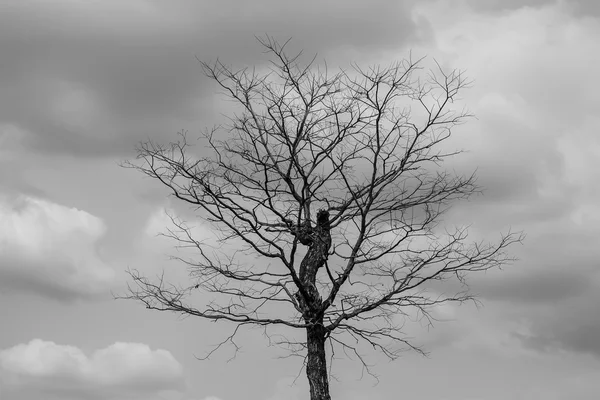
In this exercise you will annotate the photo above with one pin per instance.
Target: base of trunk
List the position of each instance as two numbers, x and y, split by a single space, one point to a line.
316 366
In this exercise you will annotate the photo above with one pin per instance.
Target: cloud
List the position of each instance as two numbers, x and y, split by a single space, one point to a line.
560 328
535 145
161 226
50 250
116 73
534 151
122 369
580 8
517 62
540 286
506 5
92 78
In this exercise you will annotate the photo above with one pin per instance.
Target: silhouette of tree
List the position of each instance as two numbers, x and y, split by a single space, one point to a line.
336 189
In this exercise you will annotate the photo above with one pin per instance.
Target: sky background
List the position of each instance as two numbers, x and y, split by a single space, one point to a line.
82 82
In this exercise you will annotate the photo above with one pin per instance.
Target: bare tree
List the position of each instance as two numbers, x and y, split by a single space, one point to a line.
334 187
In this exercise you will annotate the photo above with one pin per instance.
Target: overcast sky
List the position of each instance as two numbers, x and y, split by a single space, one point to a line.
83 81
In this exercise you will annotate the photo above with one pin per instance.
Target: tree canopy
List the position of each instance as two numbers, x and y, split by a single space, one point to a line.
333 183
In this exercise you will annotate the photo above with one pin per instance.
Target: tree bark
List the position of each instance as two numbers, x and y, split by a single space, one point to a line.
318 240
316 366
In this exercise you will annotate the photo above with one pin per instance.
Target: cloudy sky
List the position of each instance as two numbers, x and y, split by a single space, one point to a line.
83 81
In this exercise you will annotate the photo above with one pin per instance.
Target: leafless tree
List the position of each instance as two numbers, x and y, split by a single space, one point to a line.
334 184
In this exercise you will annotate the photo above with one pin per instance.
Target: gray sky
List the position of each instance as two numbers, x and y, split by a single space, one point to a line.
84 81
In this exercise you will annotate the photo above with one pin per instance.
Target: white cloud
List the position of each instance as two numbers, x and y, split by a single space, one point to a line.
50 249
122 368
535 144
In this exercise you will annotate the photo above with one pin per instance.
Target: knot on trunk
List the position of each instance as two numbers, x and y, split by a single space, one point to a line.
305 232
323 220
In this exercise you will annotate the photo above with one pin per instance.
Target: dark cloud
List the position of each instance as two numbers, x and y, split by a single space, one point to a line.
82 85
17 278
539 286
585 8
583 338
366 26
94 78
561 335
542 276
560 307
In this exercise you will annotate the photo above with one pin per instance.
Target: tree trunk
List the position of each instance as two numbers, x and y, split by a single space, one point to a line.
316 366
318 240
